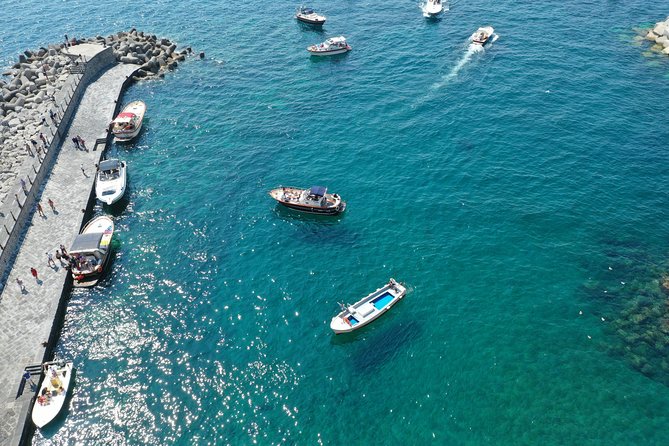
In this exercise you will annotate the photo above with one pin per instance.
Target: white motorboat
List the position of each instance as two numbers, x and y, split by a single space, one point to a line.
52 394
334 45
308 15
110 181
90 251
368 308
128 123
482 35
432 8
314 200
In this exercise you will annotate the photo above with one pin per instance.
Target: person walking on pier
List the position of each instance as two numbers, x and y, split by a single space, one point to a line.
40 211
33 271
59 256
64 251
50 260
21 285
82 143
75 140
53 206
41 135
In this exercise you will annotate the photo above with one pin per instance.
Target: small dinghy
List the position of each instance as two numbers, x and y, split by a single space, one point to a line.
334 45
368 308
309 16
110 181
90 251
315 200
432 8
52 394
482 35
128 123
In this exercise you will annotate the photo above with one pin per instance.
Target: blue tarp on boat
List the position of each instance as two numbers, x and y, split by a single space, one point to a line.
318 191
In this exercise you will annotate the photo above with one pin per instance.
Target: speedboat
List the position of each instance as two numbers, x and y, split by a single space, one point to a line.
308 15
128 123
53 392
90 251
314 200
110 181
432 8
368 308
482 35
334 45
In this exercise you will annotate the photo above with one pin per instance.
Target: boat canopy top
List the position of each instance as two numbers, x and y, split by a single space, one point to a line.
318 191
109 164
87 243
336 40
305 10
125 117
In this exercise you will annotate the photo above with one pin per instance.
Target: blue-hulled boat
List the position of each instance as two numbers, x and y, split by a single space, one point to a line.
314 200
368 308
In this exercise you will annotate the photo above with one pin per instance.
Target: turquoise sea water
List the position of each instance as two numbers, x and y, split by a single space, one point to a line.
520 193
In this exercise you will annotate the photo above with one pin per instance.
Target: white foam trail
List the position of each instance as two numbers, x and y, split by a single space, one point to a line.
471 50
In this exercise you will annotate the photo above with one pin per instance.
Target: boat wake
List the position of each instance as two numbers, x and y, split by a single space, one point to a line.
472 49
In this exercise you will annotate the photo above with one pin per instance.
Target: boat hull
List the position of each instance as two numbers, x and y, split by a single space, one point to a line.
105 226
310 21
292 198
118 186
139 109
387 295
46 409
329 52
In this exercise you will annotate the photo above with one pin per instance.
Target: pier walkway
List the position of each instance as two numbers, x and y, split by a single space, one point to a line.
30 319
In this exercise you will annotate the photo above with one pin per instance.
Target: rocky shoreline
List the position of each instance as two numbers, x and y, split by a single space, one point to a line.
660 35
29 112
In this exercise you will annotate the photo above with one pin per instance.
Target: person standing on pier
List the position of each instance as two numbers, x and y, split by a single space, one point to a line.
52 205
21 285
50 260
33 271
40 211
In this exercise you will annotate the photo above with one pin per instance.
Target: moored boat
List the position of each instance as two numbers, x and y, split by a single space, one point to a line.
110 181
334 45
308 15
90 251
482 35
432 8
367 309
314 200
128 123
52 394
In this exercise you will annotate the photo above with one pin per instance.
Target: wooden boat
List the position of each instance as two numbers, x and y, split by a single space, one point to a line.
367 309
52 394
90 251
128 123
482 35
334 45
309 16
314 200
110 181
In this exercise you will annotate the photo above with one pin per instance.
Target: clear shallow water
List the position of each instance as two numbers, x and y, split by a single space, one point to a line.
499 186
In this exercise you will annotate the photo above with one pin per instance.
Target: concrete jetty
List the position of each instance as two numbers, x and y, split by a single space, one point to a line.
30 319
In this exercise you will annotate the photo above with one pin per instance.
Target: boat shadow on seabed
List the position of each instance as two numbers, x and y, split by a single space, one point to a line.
379 347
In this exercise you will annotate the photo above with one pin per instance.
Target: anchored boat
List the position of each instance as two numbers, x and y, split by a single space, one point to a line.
128 123
110 181
52 394
368 308
482 35
90 251
334 45
308 15
315 200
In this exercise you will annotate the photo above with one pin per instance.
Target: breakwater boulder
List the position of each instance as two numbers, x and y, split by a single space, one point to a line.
659 34
155 55
30 104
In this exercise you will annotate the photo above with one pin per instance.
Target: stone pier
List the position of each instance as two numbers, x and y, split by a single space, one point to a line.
30 319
